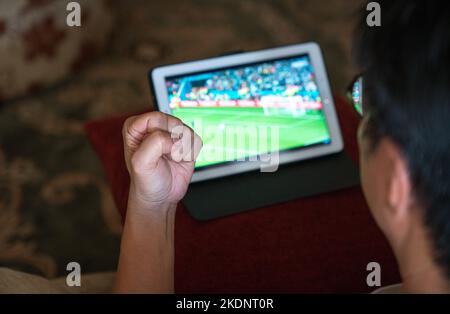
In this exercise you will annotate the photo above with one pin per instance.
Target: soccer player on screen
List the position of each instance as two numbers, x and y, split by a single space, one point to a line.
404 145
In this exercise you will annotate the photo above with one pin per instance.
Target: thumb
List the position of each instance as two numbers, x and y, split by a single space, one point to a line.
152 149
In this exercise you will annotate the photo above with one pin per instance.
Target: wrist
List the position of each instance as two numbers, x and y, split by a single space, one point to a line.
137 207
141 204
140 219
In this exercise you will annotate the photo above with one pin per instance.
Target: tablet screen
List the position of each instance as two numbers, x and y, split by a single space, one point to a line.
251 110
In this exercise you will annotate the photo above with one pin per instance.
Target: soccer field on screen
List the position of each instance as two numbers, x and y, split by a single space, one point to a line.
213 125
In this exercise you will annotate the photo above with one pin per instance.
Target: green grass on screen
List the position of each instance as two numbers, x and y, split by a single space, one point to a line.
212 124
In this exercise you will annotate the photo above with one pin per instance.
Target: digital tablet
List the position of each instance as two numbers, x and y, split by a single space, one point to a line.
254 110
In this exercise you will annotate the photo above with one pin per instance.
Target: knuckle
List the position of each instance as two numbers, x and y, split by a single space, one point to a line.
157 115
177 131
157 135
188 132
127 125
178 120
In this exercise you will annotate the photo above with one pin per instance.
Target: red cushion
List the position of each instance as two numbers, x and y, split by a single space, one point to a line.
315 244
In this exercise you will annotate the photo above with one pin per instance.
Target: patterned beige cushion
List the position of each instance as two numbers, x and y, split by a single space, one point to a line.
38 49
17 282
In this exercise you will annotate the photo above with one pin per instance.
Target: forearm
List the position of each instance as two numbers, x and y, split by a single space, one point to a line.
147 250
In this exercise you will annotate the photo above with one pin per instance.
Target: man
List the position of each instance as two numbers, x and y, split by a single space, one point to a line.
404 145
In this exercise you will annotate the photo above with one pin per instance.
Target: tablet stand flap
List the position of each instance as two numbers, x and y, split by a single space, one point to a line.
239 193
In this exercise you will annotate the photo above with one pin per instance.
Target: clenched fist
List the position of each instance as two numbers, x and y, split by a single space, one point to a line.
160 153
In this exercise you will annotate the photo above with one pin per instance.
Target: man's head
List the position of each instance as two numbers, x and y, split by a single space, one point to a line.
405 133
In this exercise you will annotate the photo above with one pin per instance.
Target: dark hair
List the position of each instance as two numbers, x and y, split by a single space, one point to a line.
406 64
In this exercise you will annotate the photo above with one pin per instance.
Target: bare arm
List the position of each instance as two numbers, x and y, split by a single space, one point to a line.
147 252
160 168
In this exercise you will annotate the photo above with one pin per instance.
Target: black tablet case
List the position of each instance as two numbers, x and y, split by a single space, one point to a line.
239 193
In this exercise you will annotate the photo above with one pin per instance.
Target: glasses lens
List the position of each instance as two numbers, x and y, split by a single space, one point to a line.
357 95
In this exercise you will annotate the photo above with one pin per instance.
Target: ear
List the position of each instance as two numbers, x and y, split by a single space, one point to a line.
398 186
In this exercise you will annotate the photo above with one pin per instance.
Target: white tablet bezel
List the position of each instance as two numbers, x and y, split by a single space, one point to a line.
158 80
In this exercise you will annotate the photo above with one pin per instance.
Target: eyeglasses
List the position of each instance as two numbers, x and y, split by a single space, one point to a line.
355 94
